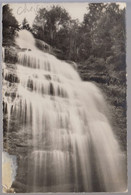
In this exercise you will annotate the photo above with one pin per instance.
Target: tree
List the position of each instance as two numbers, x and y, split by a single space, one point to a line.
106 22
10 25
25 25
48 23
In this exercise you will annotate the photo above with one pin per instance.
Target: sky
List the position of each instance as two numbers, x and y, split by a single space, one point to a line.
29 10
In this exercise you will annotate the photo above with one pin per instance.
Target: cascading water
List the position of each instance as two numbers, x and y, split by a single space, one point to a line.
70 144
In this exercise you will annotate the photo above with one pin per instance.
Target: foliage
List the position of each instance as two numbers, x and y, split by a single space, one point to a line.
25 25
10 25
48 23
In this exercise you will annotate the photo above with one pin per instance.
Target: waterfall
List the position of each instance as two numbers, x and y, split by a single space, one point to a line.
70 144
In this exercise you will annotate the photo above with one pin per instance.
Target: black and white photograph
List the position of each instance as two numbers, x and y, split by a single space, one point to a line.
64 83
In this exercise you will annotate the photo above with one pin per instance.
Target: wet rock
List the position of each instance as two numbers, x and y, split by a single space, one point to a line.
19 187
10 55
12 78
42 45
73 64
